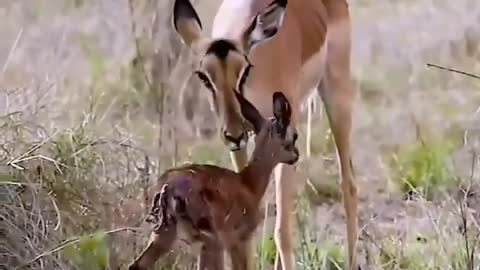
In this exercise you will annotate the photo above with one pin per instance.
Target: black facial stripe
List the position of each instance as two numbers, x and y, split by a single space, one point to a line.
244 77
208 84
221 48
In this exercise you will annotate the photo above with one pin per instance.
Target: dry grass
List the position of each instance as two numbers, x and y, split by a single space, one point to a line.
91 112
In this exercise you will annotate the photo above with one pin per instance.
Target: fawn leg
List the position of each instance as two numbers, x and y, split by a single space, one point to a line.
161 240
210 257
241 255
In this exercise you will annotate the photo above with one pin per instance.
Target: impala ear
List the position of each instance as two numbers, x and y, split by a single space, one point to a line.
281 109
265 25
186 21
250 113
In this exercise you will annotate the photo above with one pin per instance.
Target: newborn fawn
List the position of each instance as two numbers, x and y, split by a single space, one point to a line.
216 206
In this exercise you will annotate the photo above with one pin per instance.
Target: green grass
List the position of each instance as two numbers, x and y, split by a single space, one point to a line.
423 168
90 252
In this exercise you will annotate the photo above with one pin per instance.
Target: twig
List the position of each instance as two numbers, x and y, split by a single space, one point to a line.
57 211
465 234
56 163
15 160
145 181
10 53
72 241
454 70
469 256
139 55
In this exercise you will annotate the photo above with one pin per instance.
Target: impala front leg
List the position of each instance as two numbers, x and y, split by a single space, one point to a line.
239 160
338 94
339 105
284 191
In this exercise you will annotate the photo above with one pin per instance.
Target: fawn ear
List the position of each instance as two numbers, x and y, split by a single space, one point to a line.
250 113
186 21
281 108
265 25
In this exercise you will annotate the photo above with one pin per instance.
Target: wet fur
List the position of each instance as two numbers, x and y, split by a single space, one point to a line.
217 206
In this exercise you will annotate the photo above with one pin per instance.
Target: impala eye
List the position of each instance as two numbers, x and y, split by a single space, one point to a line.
205 80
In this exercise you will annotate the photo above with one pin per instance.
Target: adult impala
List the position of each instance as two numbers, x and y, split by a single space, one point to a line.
265 45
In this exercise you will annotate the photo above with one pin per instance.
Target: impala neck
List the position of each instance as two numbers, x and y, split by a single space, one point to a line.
258 5
256 175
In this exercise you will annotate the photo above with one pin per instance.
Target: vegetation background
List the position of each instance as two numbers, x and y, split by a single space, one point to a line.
96 100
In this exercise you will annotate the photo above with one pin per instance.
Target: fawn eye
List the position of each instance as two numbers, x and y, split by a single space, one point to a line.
205 80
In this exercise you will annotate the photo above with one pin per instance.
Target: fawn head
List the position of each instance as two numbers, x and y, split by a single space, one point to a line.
276 137
223 65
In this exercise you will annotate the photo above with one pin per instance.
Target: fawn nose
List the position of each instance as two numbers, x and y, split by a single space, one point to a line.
234 142
295 158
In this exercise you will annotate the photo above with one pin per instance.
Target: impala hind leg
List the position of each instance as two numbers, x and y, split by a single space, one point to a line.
161 241
338 96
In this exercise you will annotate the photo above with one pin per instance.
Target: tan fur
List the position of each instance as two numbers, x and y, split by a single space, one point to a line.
311 50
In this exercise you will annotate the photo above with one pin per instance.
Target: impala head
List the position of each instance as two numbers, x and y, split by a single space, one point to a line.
223 65
276 136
